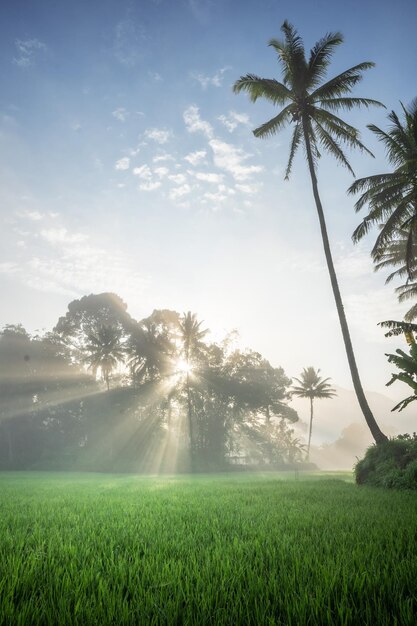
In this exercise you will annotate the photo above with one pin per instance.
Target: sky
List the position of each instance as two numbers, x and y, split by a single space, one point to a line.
127 164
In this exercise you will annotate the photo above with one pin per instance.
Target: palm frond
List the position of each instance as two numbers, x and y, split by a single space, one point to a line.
334 104
275 124
332 146
320 56
342 83
295 142
268 88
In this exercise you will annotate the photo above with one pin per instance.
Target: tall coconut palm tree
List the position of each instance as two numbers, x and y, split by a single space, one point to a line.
105 351
311 385
309 104
392 197
191 336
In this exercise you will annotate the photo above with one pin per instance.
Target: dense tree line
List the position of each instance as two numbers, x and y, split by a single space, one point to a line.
104 391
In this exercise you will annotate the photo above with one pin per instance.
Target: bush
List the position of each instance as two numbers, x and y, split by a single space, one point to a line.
392 464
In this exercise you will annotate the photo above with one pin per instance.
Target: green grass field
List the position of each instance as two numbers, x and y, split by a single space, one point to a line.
224 549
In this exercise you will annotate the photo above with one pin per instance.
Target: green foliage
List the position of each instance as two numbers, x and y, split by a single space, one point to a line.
408 365
392 201
391 464
219 550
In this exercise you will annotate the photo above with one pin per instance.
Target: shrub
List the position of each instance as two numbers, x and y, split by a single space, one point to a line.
392 464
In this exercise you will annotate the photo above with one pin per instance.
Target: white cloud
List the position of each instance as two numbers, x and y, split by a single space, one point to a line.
35 216
159 135
163 157
214 81
155 76
26 50
129 37
247 188
62 236
161 171
194 158
194 123
179 192
231 159
120 114
122 164
143 172
232 121
150 186
178 179
8 267
216 197
209 177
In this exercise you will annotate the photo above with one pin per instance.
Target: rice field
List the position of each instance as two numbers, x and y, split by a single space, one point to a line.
219 549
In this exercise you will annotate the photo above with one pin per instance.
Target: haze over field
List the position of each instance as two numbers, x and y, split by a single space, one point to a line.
128 165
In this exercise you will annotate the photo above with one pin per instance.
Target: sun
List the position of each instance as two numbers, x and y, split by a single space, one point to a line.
183 367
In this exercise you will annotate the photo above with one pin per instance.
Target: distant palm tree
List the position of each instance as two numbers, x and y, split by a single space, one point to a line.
148 349
105 351
312 386
392 197
191 336
309 104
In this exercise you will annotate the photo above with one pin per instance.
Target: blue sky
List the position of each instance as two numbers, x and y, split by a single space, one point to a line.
127 164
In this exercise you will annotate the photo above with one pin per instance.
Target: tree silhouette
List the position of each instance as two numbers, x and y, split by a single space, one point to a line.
309 104
314 387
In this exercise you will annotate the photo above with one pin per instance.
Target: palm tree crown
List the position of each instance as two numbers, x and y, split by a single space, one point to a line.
310 104
311 385
392 197
191 335
105 350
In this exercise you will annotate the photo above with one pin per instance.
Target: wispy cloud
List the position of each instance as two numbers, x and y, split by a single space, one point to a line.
179 192
143 172
71 263
163 157
195 124
120 114
232 159
208 177
26 51
233 120
57 236
210 81
178 179
150 186
155 76
129 36
194 158
122 164
160 135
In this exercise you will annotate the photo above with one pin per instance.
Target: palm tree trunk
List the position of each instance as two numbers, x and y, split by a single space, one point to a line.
377 434
310 431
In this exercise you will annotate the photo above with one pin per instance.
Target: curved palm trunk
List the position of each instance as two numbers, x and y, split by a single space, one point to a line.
377 434
310 431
